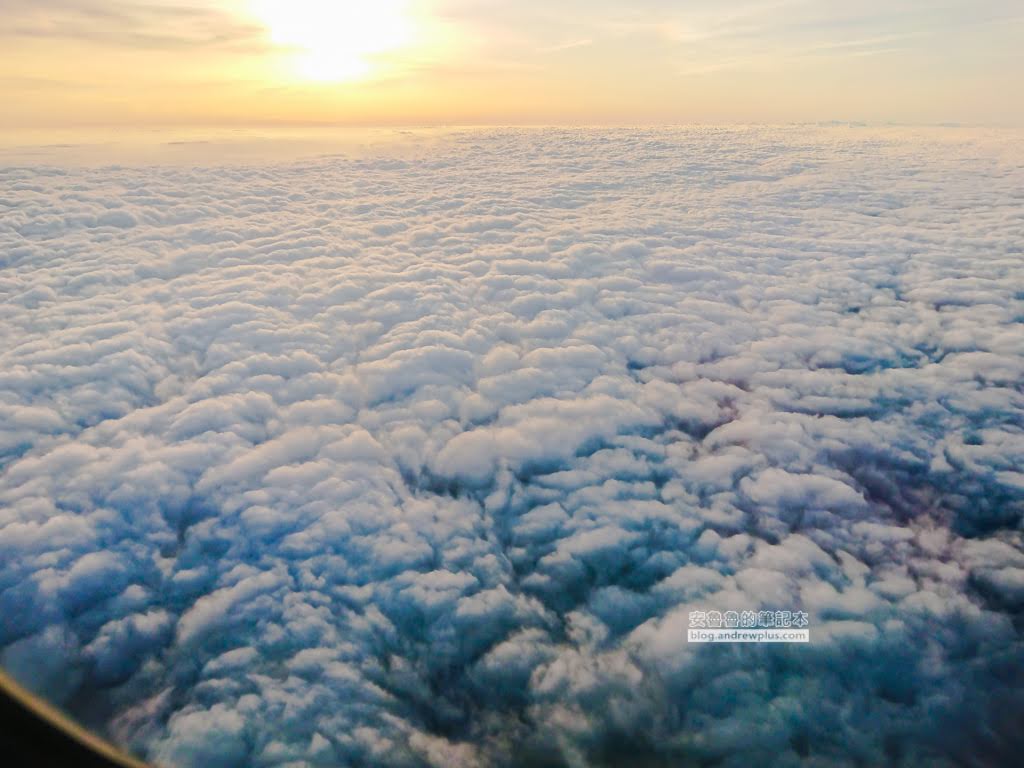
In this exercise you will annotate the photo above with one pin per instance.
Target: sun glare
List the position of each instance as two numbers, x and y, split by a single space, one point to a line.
336 40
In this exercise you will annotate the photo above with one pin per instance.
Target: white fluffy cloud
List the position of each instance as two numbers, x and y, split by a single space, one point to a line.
424 460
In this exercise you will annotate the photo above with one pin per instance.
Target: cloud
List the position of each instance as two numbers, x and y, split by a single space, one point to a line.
130 24
424 460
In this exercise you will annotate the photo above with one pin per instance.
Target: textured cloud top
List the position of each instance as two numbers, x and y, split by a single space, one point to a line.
424 461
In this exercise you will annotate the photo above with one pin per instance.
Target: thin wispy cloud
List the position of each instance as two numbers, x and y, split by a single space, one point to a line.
129 24
566 46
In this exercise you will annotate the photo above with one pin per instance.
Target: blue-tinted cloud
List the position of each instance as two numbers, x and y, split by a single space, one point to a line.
424 459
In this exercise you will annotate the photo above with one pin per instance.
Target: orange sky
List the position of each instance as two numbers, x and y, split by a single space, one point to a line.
146 62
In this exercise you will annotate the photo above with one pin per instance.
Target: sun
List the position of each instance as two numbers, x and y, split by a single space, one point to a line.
336 40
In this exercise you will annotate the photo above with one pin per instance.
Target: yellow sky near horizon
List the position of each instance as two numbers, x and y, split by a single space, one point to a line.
158 62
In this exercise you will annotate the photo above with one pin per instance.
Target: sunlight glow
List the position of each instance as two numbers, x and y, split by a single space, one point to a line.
336 40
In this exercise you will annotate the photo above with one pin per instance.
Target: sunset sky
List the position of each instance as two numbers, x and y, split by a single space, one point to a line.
227 62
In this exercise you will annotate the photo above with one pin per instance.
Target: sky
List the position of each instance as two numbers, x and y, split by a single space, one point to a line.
75 63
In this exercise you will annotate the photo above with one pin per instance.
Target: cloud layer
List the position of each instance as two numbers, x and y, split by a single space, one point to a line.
424 461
